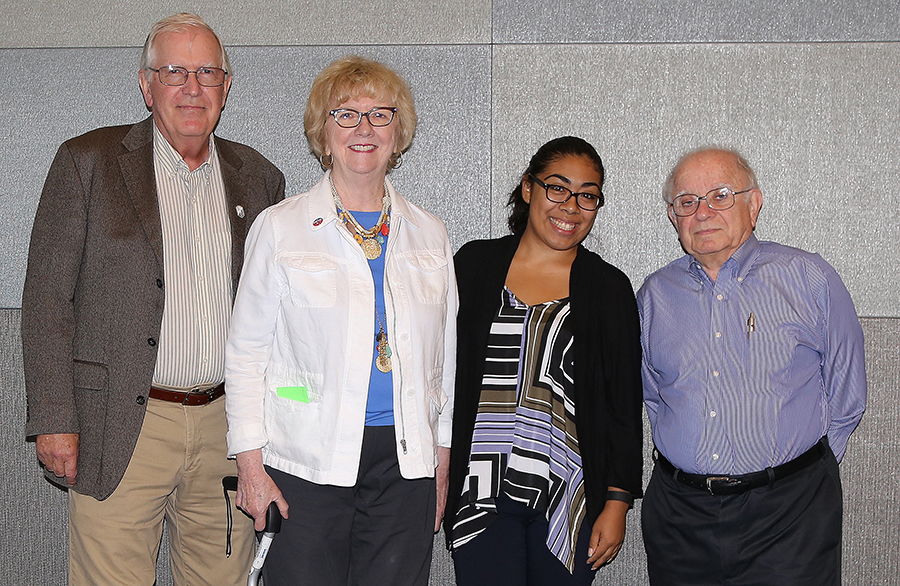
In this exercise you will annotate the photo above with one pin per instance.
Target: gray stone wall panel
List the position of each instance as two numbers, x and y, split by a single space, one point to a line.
815 121
33 523
98 23
446 171
674 21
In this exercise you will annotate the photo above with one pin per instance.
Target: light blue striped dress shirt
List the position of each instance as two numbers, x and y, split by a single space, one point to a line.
727 397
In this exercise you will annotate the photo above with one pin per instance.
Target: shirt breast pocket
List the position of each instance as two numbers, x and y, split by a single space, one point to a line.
429 276
312 279
769 356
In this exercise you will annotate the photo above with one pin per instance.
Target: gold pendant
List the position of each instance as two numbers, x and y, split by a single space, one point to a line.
372 250
383 359
383 363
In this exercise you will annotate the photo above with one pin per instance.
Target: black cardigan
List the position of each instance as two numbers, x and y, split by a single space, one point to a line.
607 366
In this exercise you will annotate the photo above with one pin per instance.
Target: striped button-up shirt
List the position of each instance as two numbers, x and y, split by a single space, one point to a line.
752 369
197 267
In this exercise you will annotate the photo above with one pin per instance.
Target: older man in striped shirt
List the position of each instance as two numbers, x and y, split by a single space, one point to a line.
754 379
135 254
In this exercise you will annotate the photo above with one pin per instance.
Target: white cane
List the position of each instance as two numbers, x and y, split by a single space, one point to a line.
273 526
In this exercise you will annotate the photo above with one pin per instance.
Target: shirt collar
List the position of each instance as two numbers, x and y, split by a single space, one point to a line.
172 163
742 259
737 266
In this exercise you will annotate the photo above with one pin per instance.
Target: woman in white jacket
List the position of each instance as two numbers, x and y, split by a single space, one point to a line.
340 360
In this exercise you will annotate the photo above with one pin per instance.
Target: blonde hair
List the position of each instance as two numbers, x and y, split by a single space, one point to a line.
179 23
354 77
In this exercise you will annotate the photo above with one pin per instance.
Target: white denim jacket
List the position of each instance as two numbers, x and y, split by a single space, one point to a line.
299 352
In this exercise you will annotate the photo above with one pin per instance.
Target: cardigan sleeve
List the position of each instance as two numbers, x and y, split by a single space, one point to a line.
624 431
608 384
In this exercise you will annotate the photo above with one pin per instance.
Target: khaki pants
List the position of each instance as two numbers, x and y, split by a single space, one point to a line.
175 473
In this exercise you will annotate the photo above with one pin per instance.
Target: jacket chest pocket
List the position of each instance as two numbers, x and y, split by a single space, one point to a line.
312 279
428 274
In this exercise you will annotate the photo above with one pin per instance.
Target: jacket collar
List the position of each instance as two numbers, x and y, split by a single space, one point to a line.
323 211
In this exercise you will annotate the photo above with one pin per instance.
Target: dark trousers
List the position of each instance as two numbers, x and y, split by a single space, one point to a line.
378 533
785 534
512 551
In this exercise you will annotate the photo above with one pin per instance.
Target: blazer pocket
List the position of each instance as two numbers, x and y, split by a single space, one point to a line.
92 376
91 382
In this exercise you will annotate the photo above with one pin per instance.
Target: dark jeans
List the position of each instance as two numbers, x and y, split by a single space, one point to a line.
512 551
378 532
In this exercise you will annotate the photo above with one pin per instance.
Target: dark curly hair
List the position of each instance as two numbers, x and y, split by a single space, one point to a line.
552 151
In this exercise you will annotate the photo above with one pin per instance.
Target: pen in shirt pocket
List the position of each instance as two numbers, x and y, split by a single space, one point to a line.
751 324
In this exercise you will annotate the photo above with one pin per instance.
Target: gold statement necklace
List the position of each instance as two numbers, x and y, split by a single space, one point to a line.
372 244
371 241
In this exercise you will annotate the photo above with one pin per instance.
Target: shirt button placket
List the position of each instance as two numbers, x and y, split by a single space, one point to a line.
717 358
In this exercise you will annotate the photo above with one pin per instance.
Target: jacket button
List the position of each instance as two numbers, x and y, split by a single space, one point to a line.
151 341
140 400
159 283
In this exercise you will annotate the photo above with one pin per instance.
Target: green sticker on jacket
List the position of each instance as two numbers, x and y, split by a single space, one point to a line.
293 393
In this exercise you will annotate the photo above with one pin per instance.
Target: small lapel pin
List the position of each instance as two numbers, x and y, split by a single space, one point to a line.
317 221
239 210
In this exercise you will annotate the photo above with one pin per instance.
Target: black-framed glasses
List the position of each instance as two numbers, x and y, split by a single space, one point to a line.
350 118
206 76
719 199
559 194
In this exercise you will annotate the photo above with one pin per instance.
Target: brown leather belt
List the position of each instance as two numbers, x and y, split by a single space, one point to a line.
191 398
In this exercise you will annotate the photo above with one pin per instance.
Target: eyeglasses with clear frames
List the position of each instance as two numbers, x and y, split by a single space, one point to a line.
350 118
206 76
559 194
719 199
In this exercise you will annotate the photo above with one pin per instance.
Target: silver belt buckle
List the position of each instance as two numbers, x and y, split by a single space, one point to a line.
727 480
201 391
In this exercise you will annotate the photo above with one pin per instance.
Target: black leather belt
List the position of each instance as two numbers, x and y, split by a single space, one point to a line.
191 398
717 484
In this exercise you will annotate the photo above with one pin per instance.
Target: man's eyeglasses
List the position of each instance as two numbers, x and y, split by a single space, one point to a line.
350 118
206 76
559 194
719 199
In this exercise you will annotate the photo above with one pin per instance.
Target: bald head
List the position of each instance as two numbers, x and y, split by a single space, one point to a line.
739 162
712 235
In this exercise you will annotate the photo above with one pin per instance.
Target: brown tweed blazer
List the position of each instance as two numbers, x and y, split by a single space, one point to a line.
94 289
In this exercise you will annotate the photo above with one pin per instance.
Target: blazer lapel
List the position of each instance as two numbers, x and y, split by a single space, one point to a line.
238 208
136 165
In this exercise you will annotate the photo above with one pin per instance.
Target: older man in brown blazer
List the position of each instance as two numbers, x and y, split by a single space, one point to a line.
135 255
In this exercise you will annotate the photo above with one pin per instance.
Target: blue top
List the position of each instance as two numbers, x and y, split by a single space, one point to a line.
727 397
380 405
